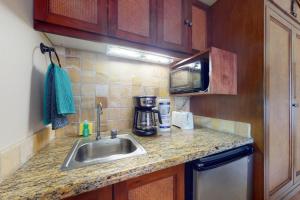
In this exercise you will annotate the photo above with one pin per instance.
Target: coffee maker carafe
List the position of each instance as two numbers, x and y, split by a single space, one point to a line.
144 123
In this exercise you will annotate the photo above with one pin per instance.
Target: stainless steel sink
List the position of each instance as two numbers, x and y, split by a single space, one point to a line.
88 152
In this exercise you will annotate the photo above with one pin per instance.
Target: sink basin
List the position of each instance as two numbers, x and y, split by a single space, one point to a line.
87 152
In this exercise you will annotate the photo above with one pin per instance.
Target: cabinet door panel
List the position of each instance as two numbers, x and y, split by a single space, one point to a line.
173 33
167 184
88 15
199 28
132 20
278 108
296 110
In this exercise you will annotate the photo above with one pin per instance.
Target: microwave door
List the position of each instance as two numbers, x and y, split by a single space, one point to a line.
181 80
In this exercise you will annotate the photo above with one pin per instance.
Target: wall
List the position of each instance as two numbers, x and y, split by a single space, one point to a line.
21 86
115 81
238 26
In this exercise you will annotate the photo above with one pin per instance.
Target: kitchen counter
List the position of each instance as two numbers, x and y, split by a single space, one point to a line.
41 177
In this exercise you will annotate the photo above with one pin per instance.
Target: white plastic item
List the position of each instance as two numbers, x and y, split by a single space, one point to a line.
165 112
183 120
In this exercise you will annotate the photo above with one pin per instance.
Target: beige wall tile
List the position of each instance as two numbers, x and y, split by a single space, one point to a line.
233 127
88 60
88 102
74 74
102 79
72 53
76 89
88 90
41 139
10 160
74 118
72 62
88 114
88 76
102 90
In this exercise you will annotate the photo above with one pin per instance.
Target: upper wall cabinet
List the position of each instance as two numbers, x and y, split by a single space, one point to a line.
162 25
174 24
133 20
86 15
199 28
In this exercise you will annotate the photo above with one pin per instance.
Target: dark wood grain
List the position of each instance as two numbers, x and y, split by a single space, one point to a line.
137 188
238 26
133 20
66 14
172 33
105 193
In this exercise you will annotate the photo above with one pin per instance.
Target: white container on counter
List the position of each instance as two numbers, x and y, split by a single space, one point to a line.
165 112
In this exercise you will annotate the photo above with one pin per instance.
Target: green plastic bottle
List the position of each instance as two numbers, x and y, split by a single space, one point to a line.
86 129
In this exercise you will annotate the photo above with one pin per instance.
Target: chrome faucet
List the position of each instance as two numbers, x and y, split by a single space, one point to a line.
99 112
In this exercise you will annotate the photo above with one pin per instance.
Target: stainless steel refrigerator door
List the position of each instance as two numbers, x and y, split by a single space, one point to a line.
232 181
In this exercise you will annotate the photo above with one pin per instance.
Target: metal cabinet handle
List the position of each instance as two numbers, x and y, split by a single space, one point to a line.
293 12
188 23
295 105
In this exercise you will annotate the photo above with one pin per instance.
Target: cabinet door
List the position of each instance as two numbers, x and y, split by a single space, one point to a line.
166 184
87 15
132 20
296 101
100 194
199 28
278 104
174 24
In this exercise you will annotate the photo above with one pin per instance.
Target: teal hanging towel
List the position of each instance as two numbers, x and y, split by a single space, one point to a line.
64 96
58 97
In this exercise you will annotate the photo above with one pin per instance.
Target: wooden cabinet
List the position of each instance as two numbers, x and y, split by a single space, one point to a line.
133 20
199 28
86 15
174 24
148 24
290 7
166 184
278 97
282 104
105 193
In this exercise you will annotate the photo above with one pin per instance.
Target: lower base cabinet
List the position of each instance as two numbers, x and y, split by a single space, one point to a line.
167 184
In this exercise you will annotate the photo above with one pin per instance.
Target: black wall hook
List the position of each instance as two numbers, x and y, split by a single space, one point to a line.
46 49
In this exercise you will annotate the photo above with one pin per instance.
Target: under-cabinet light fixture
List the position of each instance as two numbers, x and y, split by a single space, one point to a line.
135 54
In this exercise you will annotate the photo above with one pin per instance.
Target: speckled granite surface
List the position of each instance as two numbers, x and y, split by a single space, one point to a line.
41 177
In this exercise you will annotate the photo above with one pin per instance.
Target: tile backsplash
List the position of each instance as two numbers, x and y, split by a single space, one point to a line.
233 127
115 80
16 155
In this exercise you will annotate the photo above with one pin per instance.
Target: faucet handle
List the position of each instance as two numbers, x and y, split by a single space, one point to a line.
113 133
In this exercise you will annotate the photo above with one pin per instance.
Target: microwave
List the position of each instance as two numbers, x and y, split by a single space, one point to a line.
190 76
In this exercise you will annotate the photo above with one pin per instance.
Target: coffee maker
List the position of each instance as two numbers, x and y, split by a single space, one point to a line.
144 123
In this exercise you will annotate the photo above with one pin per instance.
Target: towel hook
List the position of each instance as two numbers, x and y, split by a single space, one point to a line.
45 49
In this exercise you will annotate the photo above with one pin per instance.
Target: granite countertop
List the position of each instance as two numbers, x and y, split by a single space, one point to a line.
41 177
